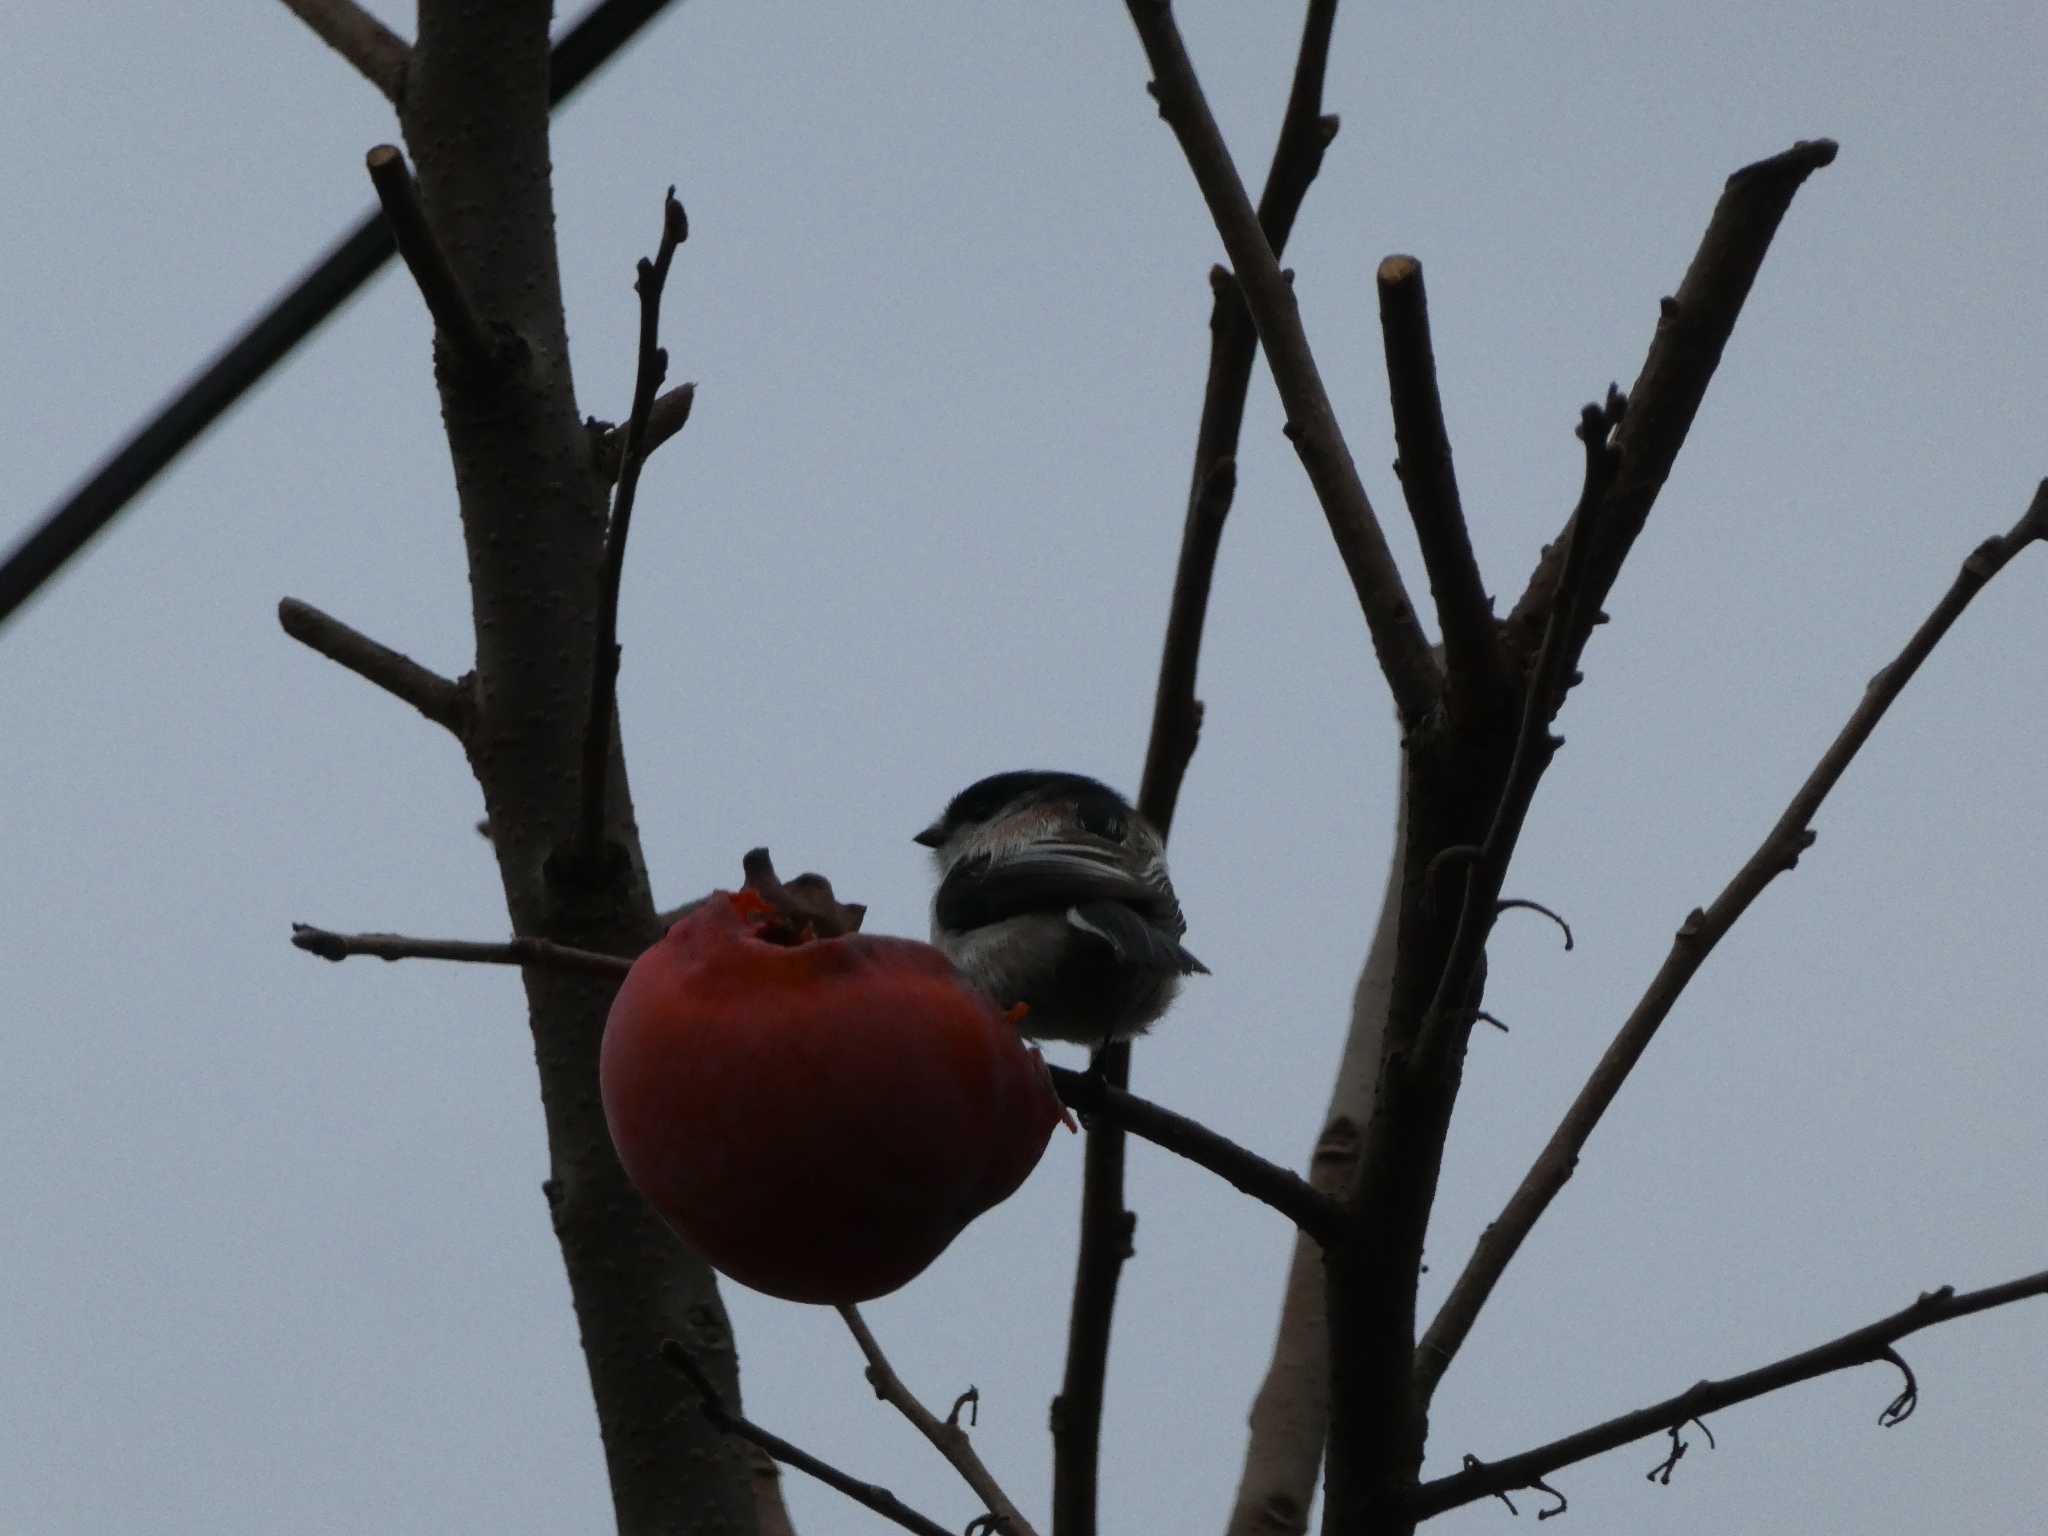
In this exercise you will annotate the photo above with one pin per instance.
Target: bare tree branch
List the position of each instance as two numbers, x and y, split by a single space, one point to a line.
454 315
1286 1192
869 1495
1106 1224
1404 652
1692 329
445 703
648 283
1487 866
1696 938
1429 480
1305 133
1176 712
668 415
1293 1197
947 1435
380 54
544 954
1864 1346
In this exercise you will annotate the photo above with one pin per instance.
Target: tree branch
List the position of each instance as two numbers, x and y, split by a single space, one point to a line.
1315 1213
648 282
1696 938
1692 330
543 954
1534 745
445 703
380 54
1292 1196
1864 1346
946 1435
1403 651
1106 1224
869 1495
1429 480
1305 133
454 315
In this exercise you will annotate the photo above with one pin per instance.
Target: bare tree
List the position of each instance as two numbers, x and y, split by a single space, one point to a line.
545 502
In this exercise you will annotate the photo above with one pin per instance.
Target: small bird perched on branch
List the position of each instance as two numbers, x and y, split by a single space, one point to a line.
1053 893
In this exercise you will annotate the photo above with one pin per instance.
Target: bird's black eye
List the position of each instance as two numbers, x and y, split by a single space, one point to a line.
1099 821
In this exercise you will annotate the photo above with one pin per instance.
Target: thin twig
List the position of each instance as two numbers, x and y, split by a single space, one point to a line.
542 954
648 282
1284 1190
1429 481
1523 903
445 703
1696 938
1403 650
668 415
1106 1225
1534 745
379 53
870 1495
1176 712
946 1435
454 315
1864 1346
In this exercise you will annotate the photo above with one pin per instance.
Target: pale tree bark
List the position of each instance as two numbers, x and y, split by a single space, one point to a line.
1290 1416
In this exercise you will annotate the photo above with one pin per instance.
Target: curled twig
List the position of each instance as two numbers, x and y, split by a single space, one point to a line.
1562 1504
946 1436
1901 1407
1661 1473
1522 903
971 1401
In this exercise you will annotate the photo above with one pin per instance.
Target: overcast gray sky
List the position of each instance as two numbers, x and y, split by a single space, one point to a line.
275 1255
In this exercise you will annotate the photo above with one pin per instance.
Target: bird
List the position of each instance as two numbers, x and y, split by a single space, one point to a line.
1053 893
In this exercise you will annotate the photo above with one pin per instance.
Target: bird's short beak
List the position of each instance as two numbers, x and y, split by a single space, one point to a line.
932 836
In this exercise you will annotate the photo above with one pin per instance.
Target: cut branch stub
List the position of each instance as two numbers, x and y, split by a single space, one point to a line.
455 317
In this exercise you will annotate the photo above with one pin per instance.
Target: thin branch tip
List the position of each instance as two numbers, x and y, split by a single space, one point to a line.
649 282
541 954
1398 641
